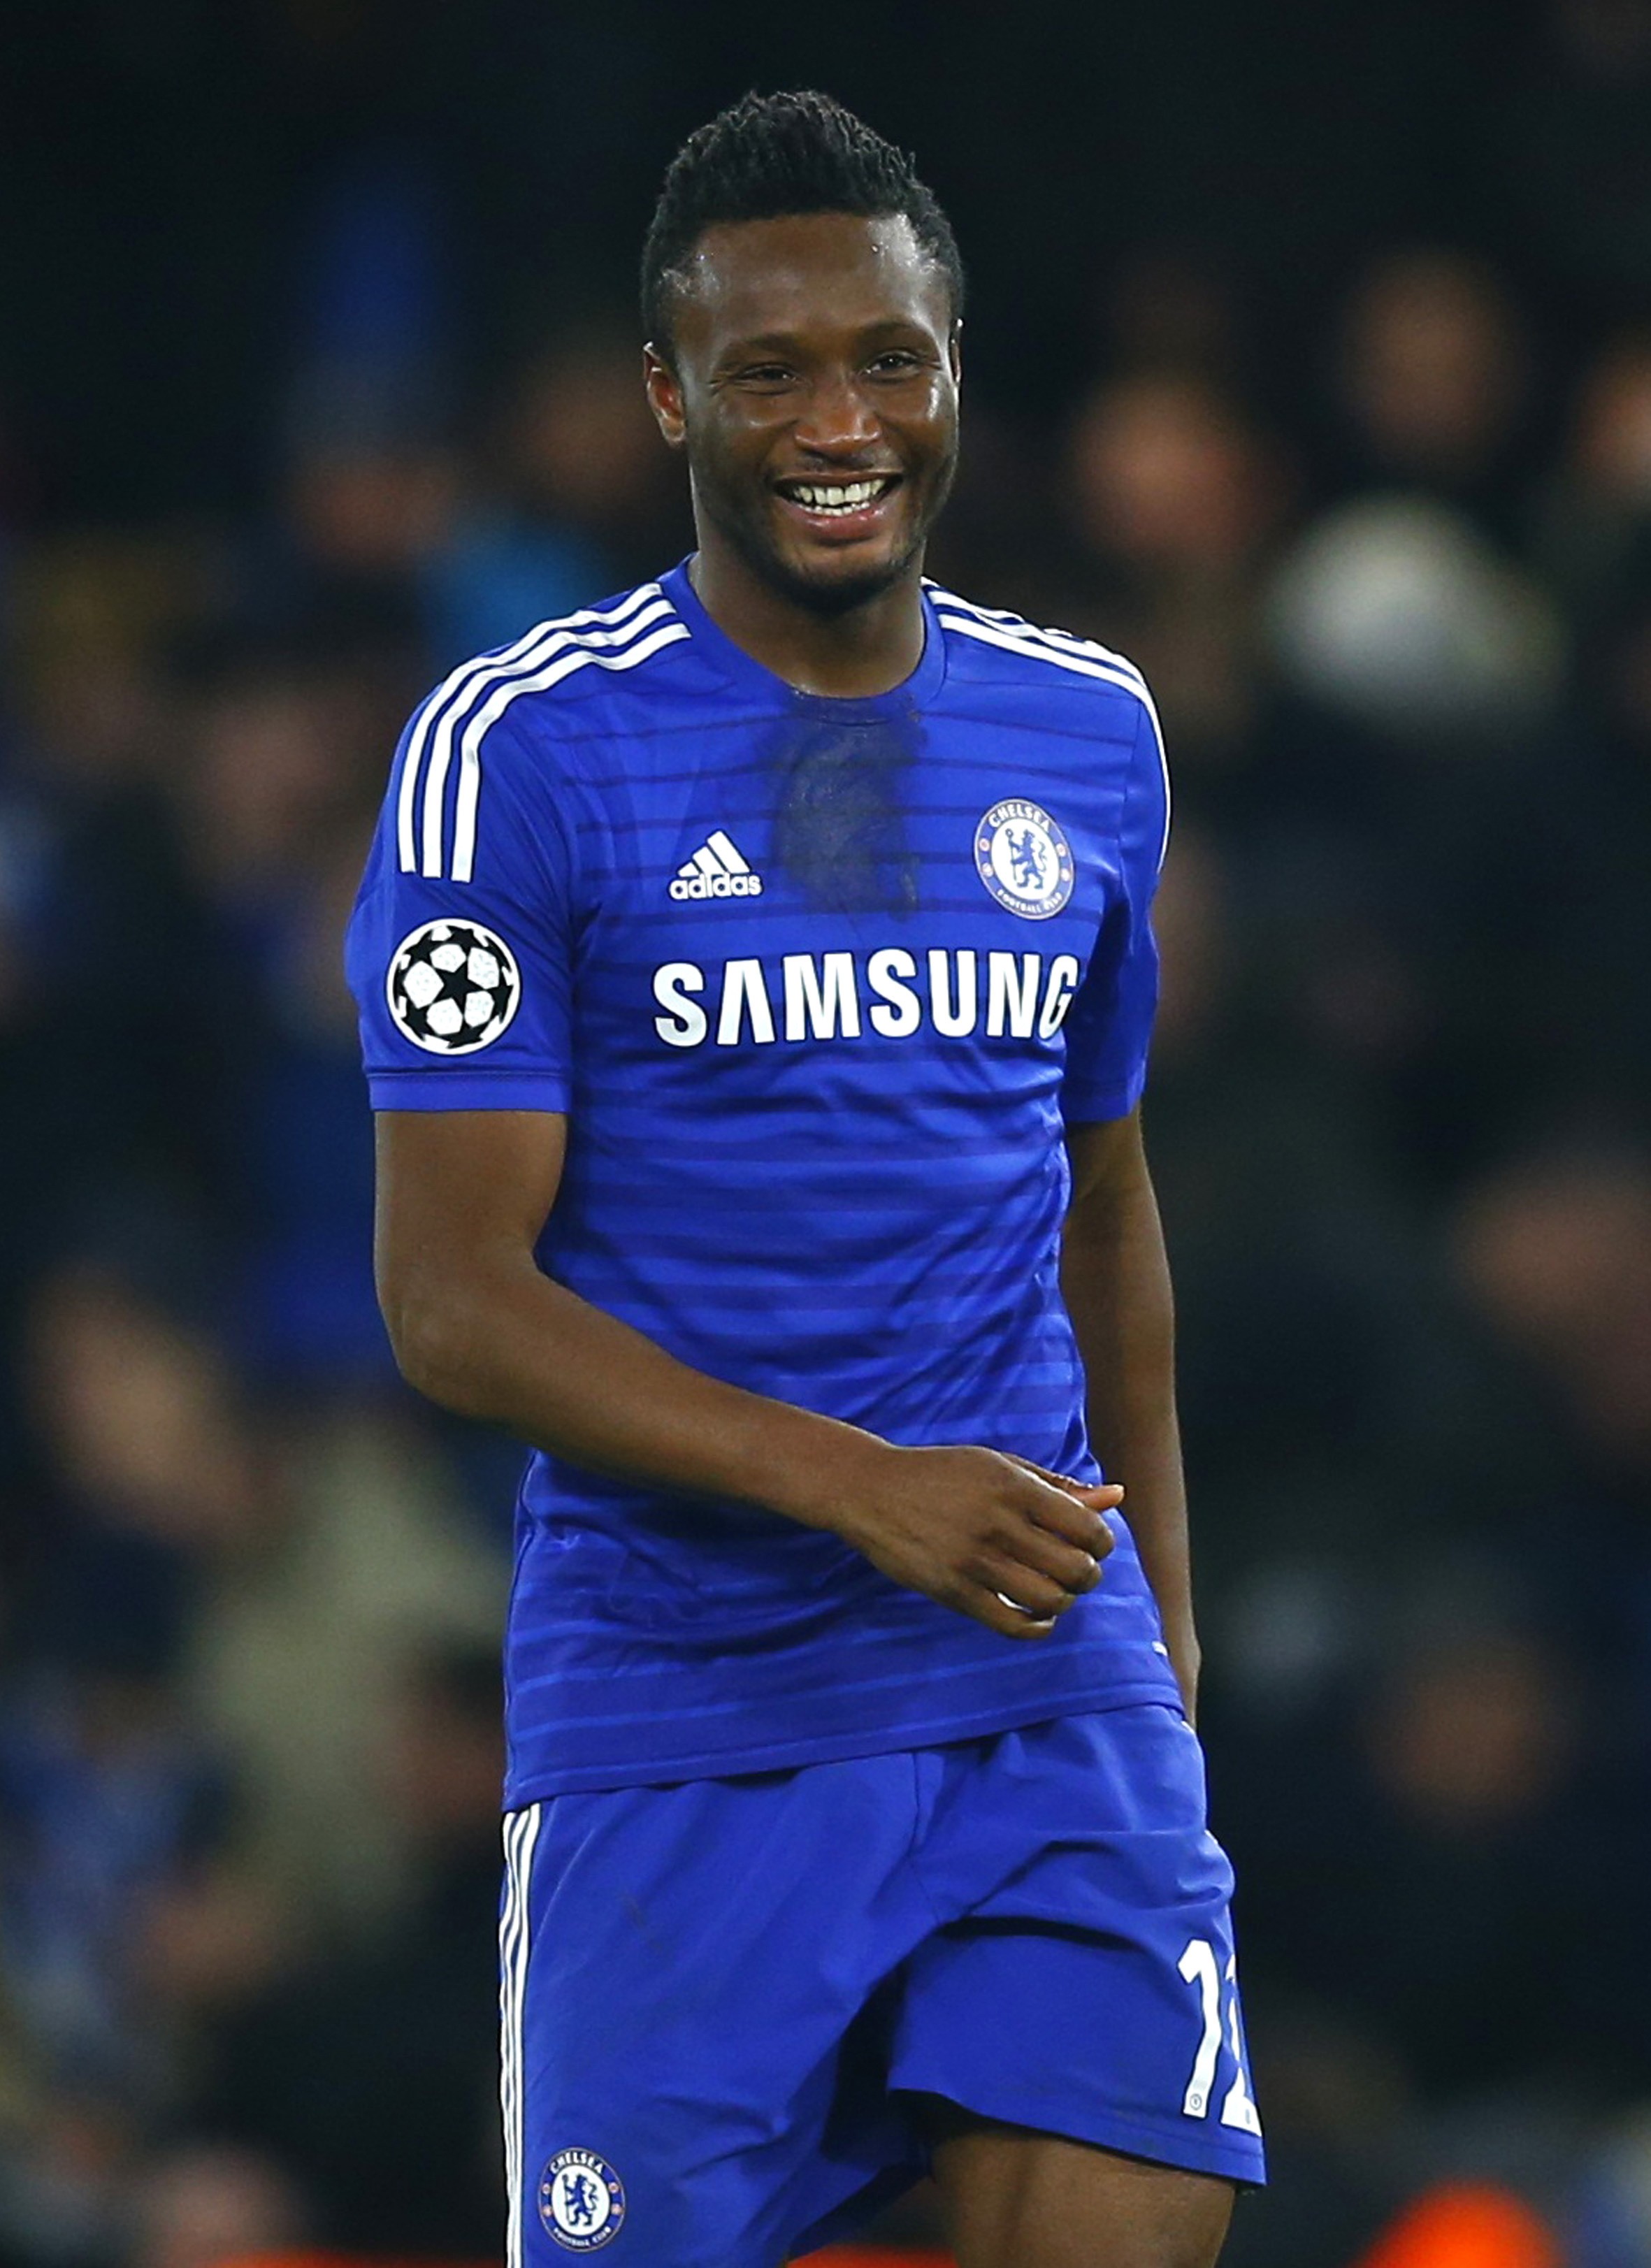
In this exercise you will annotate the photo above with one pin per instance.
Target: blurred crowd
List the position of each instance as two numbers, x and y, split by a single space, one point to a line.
1396 603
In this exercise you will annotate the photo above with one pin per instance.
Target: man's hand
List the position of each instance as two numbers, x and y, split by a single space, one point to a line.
990 1536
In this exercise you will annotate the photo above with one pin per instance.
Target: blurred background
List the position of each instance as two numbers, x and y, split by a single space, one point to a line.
1310 364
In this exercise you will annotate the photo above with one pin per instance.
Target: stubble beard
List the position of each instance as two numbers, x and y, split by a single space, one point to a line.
830 598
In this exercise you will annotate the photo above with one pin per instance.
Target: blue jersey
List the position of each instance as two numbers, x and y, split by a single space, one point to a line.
817 982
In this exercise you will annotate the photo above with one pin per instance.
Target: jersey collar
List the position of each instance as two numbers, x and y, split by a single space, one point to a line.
734 662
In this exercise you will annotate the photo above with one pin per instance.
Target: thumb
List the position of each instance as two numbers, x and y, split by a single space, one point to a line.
1100 1496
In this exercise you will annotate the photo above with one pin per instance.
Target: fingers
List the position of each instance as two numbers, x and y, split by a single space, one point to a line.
1018 1603
1071 1510
1010 1599
1049 1554
1067 1523
1105 1496
1038 1571
1037 1592
1001 1613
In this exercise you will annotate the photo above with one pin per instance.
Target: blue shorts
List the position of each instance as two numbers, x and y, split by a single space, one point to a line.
720 1997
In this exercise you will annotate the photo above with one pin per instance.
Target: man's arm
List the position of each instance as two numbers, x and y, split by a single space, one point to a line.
463 1197
1116 1278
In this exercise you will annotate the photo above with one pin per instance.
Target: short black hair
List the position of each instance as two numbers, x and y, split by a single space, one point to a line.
770 155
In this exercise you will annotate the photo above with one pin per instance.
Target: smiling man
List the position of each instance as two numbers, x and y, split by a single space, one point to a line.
755 977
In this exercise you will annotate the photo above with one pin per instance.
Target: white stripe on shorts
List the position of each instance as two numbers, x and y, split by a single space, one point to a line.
521 1832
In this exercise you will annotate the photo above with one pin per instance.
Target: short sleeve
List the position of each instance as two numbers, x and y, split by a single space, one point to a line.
464 986
1109 1026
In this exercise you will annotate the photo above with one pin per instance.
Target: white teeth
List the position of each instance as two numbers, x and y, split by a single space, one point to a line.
841 496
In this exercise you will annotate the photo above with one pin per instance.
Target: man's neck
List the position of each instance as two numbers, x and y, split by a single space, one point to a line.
865 650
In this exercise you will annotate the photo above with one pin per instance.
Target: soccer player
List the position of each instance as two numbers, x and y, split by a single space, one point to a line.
756 977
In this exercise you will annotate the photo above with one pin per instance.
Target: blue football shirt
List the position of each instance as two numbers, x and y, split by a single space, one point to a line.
817 982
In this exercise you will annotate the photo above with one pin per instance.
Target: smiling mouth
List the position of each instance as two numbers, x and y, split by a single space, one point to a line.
839 498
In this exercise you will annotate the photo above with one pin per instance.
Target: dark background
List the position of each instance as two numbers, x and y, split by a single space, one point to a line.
1309 358
171 172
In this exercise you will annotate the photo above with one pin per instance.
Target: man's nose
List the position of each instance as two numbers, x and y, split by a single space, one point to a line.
837 419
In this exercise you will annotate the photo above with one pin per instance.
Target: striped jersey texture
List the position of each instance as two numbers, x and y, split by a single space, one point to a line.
819 983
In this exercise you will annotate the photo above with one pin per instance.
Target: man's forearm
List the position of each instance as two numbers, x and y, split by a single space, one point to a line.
976 1531
462 1199
513 1347
1116 1278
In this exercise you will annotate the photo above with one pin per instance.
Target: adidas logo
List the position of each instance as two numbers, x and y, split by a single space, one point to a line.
715 871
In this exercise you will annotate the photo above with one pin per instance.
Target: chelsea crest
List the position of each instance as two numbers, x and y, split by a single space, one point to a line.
1024 858
581 2200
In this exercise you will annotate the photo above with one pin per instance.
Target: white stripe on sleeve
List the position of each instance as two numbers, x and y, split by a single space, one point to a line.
454 692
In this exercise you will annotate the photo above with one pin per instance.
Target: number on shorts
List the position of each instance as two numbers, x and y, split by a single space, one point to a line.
1199 1966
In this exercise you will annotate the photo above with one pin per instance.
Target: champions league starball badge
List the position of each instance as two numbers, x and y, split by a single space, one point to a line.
581 2200
1024 858
452 987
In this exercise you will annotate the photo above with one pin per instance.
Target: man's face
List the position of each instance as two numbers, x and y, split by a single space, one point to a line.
813 385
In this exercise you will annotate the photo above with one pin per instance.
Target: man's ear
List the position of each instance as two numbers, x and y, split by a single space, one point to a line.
665 396
955 347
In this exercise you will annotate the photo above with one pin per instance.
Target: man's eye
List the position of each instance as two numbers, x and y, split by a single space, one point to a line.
896 364
765 373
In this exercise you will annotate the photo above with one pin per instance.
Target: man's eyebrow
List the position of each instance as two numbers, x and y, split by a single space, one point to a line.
762 342
790 343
